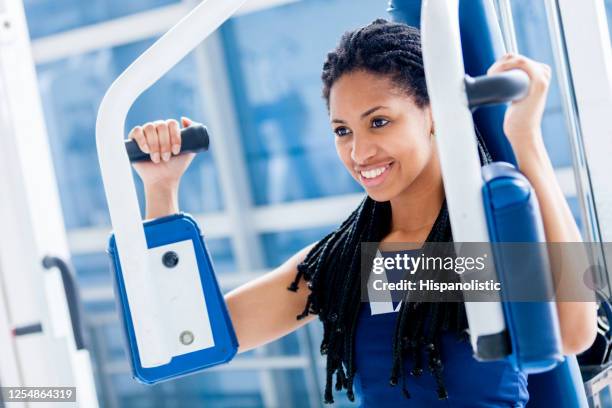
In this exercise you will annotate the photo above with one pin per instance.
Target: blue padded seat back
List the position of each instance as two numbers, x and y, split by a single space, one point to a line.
561 387
513 217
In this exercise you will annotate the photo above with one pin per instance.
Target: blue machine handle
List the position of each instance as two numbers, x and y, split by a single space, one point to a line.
495 89
193 139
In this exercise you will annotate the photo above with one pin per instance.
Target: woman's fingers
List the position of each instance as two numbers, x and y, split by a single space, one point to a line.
186 121
539 74
161 139
137 134
163 135
175 136
512 61
150 132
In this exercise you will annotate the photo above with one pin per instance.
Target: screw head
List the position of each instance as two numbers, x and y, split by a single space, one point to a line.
7 24
186 337
170 259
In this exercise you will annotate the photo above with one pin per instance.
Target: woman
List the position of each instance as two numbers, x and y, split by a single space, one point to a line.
374 86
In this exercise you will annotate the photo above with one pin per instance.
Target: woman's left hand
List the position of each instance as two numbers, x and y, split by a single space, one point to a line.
522 123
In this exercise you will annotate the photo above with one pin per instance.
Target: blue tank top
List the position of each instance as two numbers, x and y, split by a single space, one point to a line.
469 383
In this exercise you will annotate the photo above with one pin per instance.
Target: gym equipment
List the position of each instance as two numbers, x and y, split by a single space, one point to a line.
476 197
193 318
172 309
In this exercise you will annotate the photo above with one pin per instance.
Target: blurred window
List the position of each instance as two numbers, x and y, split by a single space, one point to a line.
48 17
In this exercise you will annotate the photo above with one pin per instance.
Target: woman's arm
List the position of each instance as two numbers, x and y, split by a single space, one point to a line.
522 125
578 320
264 310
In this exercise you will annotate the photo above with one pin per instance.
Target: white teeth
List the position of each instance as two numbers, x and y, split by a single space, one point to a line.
374 172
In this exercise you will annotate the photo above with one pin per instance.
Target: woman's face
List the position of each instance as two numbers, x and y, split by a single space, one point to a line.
382 136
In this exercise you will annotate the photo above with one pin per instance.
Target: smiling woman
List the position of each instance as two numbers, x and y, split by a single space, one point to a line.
374 86
375 89
383 137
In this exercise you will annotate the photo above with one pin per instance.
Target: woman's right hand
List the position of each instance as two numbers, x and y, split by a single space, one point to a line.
162 140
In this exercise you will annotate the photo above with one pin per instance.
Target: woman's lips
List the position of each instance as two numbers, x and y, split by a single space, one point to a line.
377 180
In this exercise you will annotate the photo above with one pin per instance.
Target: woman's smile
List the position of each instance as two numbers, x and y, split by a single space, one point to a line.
374 176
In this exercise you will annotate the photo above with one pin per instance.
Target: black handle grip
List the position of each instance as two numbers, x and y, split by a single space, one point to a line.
193 139
70 289
505 87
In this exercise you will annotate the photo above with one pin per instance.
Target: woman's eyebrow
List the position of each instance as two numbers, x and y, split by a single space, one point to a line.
372 110
364 114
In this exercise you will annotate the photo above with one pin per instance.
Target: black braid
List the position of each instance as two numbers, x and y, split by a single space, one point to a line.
332 269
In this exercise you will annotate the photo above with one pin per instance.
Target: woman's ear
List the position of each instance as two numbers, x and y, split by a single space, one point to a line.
431 121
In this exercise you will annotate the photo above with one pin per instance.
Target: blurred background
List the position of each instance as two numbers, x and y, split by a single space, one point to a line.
255 83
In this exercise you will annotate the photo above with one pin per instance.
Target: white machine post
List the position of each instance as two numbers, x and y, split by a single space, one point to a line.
32 226
457 146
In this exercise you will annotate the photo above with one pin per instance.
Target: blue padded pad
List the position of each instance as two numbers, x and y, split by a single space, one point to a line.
164 231
560 388
513 216
482 44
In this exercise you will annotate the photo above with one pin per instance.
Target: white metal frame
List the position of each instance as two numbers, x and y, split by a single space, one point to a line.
31 214
504 9
590 72
580 171
586 73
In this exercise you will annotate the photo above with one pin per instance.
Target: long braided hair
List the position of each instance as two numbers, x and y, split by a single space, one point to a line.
332 268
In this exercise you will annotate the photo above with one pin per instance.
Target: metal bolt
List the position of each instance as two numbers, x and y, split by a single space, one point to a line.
186 337
170 259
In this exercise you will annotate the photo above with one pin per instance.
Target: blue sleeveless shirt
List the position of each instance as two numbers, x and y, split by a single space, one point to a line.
469 383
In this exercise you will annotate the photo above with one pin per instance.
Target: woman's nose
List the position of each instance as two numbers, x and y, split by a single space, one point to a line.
362 149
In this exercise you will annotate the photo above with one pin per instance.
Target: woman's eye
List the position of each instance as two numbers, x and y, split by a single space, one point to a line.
379 122
342 131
